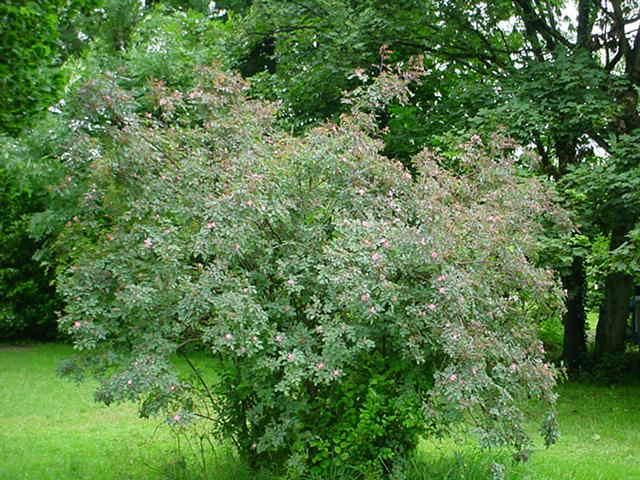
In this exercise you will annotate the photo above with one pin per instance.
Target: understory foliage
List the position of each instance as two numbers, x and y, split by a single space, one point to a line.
29 53
28 300
348 307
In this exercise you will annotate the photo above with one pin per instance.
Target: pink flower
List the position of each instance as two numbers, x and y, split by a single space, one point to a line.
228 337
513 367
129 382
279 338
365 297
148 243
376 257
453 377
385 243
441 290
291 357
320 365
431 306
291 282
441 278
336 373
211 225
177 418
77 324
434 255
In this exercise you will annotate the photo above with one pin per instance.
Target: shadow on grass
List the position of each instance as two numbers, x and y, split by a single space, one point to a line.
466 463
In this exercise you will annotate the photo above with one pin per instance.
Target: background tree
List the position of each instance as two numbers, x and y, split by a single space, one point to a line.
29 303
35 38
29 57
607 46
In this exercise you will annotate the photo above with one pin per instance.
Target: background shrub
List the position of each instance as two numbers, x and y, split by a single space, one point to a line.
28 297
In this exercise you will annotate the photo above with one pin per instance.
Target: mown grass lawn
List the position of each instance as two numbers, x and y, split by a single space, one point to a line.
600 435
50 428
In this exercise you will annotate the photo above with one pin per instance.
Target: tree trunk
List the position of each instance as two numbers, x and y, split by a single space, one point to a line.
574 344
614 312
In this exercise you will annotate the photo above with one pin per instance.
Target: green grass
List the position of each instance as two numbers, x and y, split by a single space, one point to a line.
50 428
600 435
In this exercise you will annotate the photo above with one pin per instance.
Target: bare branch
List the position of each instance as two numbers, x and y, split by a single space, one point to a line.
611 64
585 23
618 28
537 25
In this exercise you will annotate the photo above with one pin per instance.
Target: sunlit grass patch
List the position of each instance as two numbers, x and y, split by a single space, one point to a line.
51 428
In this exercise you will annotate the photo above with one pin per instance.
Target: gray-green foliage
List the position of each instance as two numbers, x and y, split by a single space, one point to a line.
347 308
105 90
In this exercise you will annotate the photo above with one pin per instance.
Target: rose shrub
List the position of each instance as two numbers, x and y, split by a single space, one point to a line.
347 306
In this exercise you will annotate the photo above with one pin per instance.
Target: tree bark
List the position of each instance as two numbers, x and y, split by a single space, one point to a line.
614 312
574 343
